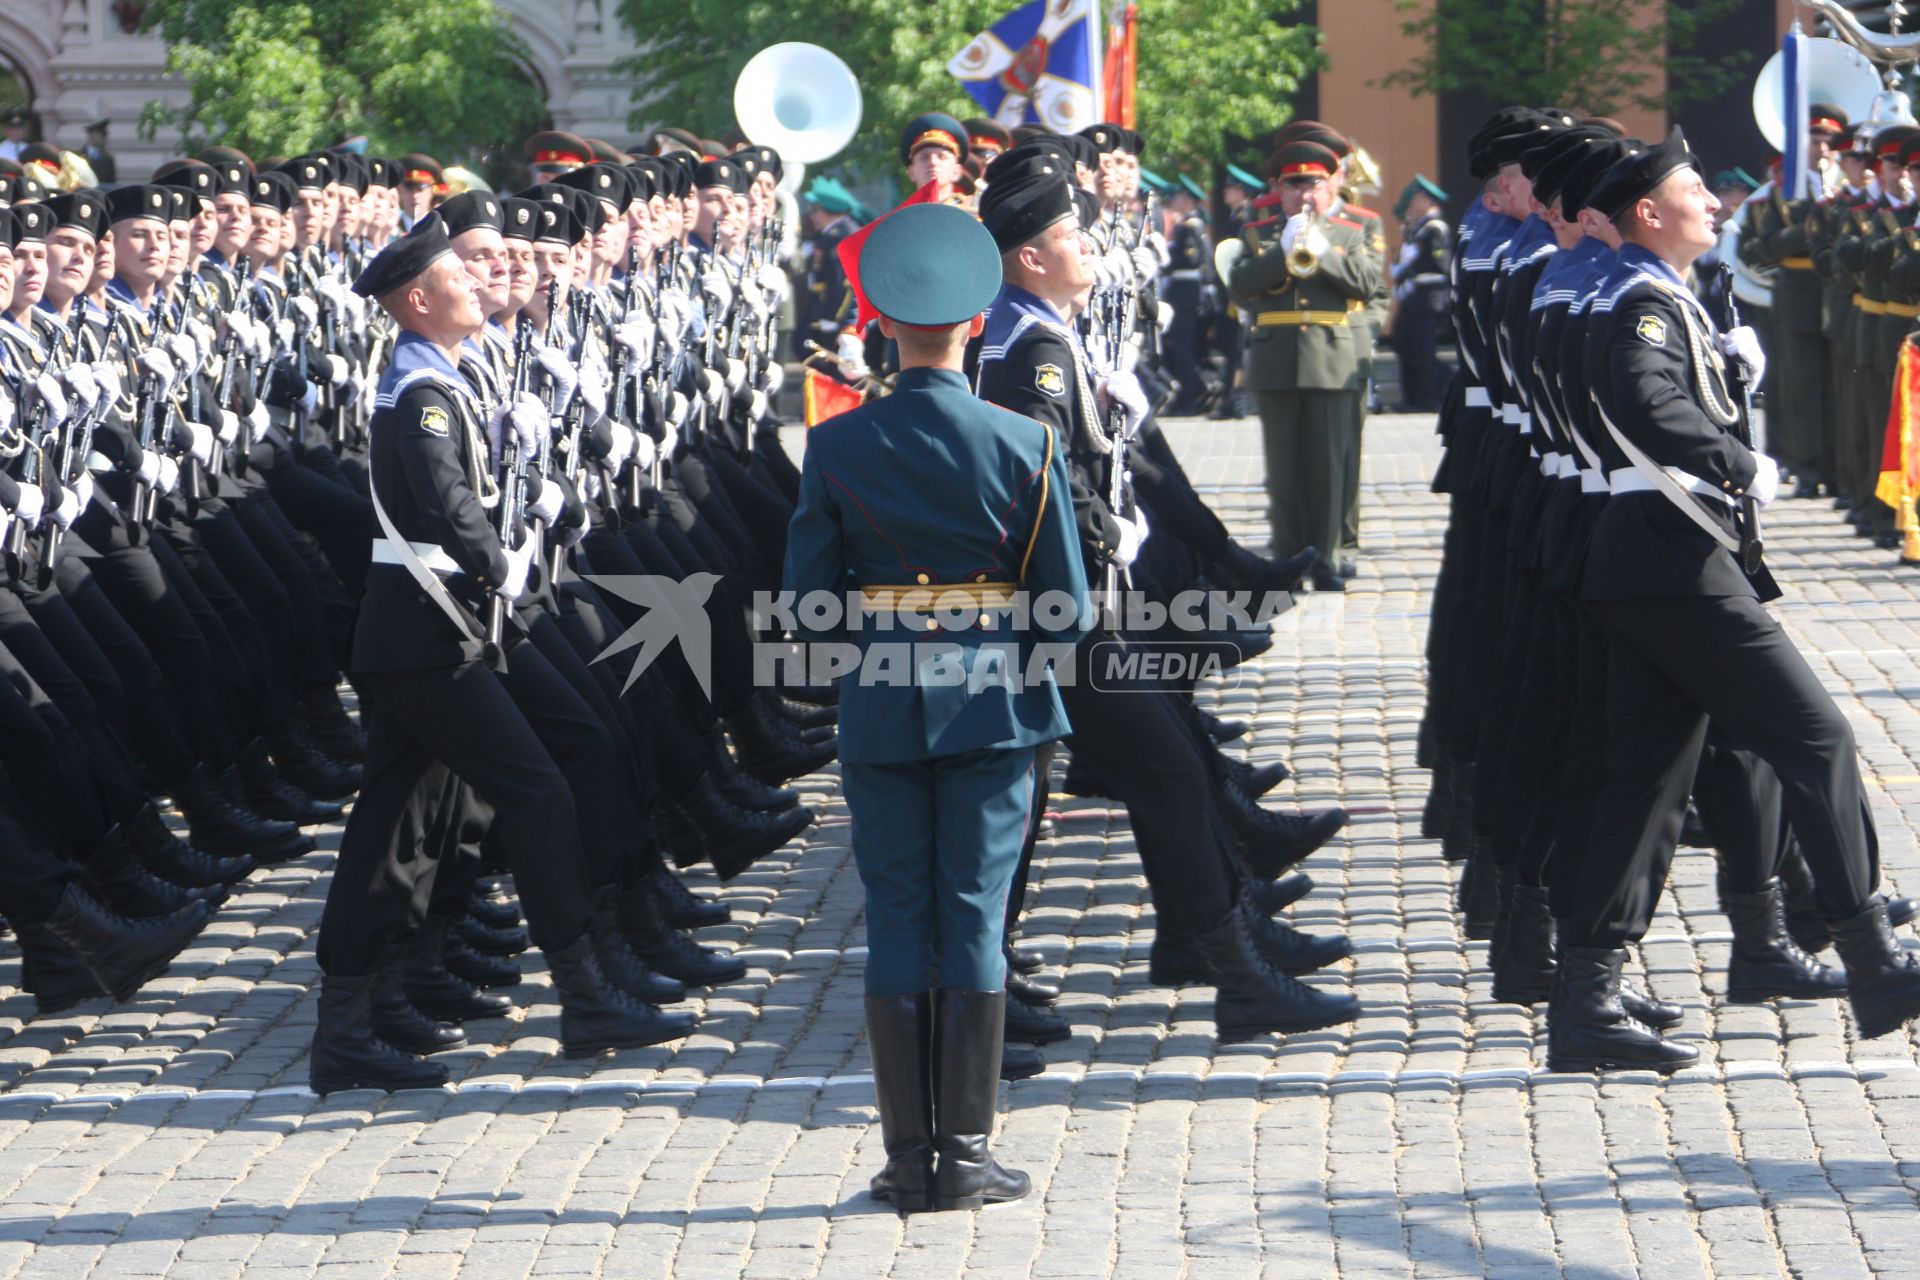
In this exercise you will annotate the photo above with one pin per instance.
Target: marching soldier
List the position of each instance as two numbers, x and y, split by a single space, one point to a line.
1420 293
1189 294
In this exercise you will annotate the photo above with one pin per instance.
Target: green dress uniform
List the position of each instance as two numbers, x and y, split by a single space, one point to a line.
1369 321
1797 432
1304 366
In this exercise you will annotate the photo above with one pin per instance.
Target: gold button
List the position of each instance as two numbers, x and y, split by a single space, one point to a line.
922 579
933 624
980 577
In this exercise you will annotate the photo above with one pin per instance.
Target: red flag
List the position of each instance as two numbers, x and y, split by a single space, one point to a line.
1899 465
1122 65
849 252
827 396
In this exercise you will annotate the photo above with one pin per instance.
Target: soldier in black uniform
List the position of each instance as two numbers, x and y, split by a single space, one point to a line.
1190 294
1420 299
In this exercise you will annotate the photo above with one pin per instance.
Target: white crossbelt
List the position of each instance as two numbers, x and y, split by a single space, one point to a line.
1633 480
1592 481
1184 273
1477 398
435 557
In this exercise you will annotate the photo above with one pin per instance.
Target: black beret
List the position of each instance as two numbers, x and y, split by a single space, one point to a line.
1636 174
680 168
932 129
33 222
230 177
1025 199
759 160
645 178
181 206
402 261
722 173
9 187
930 265
272 189
519 218
468 210
84 210
557 225
1581 180
351 170
189 175
1547 167
217 156
380 172
1113 137
1050 144
138 200
9 230
1087 205
306 173
606 181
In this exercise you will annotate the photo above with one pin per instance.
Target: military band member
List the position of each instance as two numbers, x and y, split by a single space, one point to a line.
1420 297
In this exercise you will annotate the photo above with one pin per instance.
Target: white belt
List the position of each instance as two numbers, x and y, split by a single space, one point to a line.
1510 414
1564 466
1631 480
98 461
1592 481
1184 273
1477 398
1429 277
1525 422
431 555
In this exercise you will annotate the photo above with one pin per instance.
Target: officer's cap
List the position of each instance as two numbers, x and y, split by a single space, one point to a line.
933 129
930 265
605 151
1825 117
1236 174
552 147
1421 185
1892 140
1909 154
604 181
306 173
722 173
1155 183
1738 179
1301 159
83 210
272 190
669 139
828 194
987 135
419 169
44 154
1028 190
137 200
468 210
1193 188
519 219
1313 131
402 261
1638 173
33 222
1579 183
226 155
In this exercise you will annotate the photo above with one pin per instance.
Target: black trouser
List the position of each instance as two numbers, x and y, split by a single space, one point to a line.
47 758
1181 346
1672 664
420 724
284 545
31 879
334 514
1416 334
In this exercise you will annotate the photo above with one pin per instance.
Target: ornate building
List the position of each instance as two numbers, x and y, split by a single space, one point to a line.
75 61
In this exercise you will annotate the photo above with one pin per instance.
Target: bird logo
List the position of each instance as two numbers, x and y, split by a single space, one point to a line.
676 608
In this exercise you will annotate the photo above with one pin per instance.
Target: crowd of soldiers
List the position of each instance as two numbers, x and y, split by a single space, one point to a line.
1599 649
276 430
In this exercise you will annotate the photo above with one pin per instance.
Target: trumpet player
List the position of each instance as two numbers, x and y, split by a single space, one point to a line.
1305 355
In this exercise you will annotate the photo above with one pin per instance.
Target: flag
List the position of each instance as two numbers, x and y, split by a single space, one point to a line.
828 397
849 251
1899 458
1123 49
1796 183
1038 65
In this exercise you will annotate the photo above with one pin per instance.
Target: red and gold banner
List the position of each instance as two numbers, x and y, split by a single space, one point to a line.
1900 452
828 397
1122 67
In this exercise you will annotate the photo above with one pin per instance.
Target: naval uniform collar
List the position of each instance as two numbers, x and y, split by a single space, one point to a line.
928 376
1638 258
119 292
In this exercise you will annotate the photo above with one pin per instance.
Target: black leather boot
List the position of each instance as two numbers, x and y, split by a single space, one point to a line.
123 954
1251 571
1271 843
348 1055
268 794
1081 781
1255 780
701 823
171 858
596 1016
1883 978
1480 893
769 751
1804 919
1251 998
396 1021
899 1036
505 943
623 966
1026 959
667 950
1221 731
485 971
496 913
1434 815
1022 985
1587 1030
968 1027
805 715
221 827
1456 842
333 731
684 908
1018 1062
1647 1008
1277 895
301 762
52 972
434 990
1901 910
129 889
1766 961
1525 972
1287 948
1029 1024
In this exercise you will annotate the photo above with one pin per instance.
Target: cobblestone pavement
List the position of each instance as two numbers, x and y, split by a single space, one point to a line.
173 1135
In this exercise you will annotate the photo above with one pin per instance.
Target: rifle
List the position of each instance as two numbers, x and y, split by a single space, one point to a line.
513 462
1752 545
243 281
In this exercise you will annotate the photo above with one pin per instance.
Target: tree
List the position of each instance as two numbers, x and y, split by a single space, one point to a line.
1595 56
1208 68
281 77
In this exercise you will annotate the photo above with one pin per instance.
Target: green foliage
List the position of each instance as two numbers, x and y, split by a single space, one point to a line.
1595 56
279 77
1208 68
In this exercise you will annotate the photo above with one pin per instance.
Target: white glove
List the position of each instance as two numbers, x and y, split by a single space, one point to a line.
1157 245
565 377
1115 266
1124 389
283 332
85 387
200 443
229 426
31 505
776 378
622 448
519 559
107 376
1145 265
593 389
155 362
304 310
644 450
1162 315
853 357
257 422
736 374
8 410
169 475
47 388
774 284
83 489
186 355
570 536
634 335
1131 536
1296 226
676 312
678 407
528 419
69 508
758 403
546 508
337 370
1743 344
718 290
1766 478
712 388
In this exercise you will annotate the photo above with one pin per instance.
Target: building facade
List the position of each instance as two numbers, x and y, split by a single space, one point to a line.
70 62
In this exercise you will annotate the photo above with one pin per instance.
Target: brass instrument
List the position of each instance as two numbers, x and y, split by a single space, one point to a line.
1304 258
799 99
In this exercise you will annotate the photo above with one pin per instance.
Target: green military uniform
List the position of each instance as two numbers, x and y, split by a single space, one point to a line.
1796 430
1370 321
1305 368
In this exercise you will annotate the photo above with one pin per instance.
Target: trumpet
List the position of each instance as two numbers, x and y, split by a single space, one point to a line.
1304 258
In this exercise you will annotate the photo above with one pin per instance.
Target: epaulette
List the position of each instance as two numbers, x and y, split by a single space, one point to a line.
1343 222
1358 211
